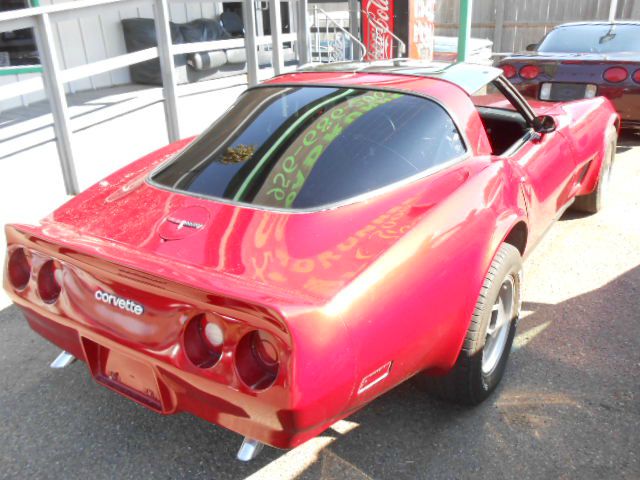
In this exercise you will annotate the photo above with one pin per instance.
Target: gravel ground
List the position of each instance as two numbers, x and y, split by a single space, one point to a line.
569 406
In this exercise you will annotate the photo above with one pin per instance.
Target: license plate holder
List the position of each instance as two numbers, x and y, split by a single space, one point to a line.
124 374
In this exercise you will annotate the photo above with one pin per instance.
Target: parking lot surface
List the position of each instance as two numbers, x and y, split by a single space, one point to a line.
568 407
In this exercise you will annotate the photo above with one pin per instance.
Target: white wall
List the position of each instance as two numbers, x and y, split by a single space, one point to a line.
93 38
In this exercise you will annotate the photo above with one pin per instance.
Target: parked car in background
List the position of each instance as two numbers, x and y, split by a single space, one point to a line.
338 231
583 60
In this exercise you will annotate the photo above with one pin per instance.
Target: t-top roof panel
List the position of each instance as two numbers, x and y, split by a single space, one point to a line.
470 77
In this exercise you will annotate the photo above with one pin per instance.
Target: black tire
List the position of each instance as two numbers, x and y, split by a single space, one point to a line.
596 200
467 383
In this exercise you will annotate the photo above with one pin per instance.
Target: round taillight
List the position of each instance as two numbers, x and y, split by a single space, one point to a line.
636 76
257 360
19 269
529 72
203 340
616 75
48 283
509 70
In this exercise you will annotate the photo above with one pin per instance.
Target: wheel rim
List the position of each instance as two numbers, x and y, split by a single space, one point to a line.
499 325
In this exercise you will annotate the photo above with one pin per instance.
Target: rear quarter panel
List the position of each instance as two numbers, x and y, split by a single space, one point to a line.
412 307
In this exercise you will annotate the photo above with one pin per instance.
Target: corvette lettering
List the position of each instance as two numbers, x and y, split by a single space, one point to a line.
119 302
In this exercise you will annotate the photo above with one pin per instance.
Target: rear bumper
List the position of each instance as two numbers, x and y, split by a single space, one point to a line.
625 100
631 125
158 385
143 354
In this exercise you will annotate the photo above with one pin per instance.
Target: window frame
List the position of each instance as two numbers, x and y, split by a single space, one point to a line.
340 203
522 107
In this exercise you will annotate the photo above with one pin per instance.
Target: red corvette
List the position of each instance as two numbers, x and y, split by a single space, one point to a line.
338 231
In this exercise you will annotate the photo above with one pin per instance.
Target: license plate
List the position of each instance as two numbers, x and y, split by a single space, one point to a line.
564 92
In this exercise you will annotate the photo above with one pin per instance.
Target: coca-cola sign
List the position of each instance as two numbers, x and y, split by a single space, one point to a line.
377 22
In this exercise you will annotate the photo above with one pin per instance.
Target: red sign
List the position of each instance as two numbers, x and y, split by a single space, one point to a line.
377 22
421 29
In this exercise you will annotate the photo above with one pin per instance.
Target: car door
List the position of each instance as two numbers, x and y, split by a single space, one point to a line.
545 164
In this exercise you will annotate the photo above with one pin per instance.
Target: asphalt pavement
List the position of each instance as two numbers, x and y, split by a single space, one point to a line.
568 407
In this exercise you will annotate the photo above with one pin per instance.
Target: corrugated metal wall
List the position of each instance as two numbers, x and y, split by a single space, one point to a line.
513 24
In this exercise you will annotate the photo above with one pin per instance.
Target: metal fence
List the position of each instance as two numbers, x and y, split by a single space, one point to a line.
334 35
513 24
54 77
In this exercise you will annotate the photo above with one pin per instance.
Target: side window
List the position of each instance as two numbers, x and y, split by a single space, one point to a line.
503 123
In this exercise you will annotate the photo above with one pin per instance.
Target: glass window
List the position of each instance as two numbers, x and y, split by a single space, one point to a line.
305 147
593 39
17 47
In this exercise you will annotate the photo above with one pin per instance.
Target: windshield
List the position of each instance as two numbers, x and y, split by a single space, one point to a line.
593 39
305 147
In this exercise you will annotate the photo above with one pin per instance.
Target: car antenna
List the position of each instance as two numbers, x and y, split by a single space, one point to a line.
610 35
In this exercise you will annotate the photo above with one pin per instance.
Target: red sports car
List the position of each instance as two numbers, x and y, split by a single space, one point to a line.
338 231
583 60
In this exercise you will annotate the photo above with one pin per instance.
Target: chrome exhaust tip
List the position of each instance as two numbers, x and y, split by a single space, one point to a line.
249 449
63 360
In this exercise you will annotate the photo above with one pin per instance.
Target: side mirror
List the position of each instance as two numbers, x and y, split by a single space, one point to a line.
544 124
532 47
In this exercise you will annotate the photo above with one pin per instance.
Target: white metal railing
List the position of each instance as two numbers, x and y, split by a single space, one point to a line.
332 42
54 77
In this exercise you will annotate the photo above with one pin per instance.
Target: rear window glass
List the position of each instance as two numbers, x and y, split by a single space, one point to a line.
593 39
305 147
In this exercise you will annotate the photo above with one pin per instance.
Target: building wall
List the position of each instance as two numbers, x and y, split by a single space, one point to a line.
511 24
91 38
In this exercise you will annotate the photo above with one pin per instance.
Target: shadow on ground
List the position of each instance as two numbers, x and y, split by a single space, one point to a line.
569 409
627 140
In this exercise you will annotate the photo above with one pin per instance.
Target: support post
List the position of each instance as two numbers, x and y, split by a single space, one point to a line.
354 26
249 19
54 88
464 33
167 69
613 10
303 32
498 31
275 22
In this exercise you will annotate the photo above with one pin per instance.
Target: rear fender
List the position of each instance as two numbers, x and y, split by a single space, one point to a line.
508 209
504 226
413 306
